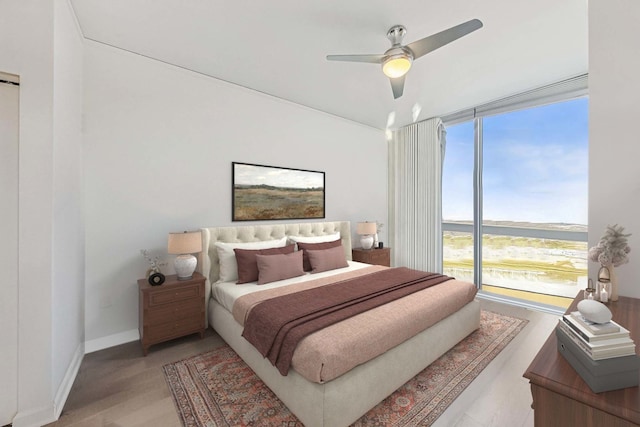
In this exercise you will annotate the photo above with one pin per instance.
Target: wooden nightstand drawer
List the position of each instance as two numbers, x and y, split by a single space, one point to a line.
377 256
176 328
173 295
170 311
372 256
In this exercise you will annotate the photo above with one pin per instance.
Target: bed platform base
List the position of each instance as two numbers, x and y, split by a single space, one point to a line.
343 400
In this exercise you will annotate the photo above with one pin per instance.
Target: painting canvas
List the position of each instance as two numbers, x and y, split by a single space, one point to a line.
268 192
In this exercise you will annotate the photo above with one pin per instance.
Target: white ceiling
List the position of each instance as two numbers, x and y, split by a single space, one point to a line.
278 47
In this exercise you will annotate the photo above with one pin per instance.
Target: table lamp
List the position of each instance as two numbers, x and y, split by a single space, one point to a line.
366 230
184 245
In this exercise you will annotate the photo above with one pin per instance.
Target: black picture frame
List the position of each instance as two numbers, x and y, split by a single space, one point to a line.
261 192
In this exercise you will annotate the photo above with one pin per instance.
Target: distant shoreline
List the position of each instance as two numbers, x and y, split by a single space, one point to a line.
524 224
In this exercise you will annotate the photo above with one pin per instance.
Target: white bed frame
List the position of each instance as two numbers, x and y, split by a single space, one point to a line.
343 400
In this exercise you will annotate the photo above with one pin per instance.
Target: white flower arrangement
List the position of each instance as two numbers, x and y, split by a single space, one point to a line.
154 263
612 248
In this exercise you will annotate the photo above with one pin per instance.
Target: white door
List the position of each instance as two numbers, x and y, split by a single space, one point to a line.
9 119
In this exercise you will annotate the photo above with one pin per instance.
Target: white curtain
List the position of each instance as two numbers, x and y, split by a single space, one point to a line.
416 153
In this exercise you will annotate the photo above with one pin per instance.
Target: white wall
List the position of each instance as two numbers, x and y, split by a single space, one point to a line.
26 31
29 29
614 148
159 142
67 310
9 128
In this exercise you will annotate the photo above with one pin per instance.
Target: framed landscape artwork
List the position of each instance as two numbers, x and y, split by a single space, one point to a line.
269 192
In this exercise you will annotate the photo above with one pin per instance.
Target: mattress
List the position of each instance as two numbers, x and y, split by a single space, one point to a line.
334 350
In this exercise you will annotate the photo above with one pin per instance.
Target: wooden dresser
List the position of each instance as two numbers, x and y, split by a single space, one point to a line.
171 310
562 398
372 256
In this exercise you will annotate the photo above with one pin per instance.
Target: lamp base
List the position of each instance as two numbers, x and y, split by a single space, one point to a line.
366 240
185 265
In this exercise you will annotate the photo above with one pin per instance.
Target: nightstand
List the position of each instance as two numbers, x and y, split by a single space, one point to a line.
372 256
171 310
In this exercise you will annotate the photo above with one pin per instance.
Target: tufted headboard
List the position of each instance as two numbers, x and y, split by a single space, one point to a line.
208 260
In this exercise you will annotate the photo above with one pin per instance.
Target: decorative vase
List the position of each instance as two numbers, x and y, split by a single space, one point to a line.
375 240
151 271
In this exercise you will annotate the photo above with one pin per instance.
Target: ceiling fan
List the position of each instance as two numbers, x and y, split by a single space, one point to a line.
397 60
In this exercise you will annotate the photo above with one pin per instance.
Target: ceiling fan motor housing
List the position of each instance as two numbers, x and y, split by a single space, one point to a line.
396 34
397 60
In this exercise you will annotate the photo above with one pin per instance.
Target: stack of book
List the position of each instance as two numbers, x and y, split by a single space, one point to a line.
603 354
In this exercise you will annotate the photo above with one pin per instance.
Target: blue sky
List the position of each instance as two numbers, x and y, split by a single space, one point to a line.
535 166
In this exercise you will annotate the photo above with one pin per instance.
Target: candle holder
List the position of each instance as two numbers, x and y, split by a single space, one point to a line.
589 293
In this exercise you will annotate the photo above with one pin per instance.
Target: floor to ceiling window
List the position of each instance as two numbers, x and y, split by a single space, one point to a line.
515 202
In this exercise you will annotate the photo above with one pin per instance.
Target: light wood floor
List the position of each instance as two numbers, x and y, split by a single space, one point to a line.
120 387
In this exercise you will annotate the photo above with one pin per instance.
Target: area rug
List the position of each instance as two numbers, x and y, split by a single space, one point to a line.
217 388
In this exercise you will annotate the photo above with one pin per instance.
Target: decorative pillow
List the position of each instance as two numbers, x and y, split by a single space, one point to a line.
227 257
315 239
247 264
327 259
272 268
304 247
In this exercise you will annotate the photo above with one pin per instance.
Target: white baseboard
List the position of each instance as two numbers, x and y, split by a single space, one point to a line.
111 341
49 414
35 417
67 381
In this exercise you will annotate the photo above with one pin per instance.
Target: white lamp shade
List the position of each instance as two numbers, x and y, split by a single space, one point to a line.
185 243
366 228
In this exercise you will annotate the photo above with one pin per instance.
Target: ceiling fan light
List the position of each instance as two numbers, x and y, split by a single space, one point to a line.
397 66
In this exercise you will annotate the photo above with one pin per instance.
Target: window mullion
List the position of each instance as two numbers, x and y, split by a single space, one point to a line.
477 202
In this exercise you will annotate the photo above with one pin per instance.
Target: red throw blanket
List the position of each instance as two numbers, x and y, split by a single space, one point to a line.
275 326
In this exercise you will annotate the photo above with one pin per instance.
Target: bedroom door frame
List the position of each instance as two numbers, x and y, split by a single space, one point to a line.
9 147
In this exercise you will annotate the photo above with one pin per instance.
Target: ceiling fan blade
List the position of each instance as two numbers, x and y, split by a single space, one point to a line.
397 85
429 44
373 59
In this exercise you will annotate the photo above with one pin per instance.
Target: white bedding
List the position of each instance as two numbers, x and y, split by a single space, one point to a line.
226 293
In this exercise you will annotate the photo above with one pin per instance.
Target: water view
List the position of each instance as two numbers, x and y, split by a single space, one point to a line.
540 265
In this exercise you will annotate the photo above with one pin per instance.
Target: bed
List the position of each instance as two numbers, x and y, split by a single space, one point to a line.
341 398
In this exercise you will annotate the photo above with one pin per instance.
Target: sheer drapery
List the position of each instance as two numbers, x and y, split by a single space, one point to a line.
416 153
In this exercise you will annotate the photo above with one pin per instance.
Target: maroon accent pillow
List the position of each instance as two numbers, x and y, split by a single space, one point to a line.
247 264
327 259
272 268
304 247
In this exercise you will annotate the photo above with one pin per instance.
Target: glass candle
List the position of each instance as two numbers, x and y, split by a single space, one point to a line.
589 293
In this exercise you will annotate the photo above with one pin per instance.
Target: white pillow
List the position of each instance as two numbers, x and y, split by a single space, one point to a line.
315 239
227 257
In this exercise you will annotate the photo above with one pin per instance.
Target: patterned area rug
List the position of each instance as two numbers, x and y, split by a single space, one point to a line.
217 388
